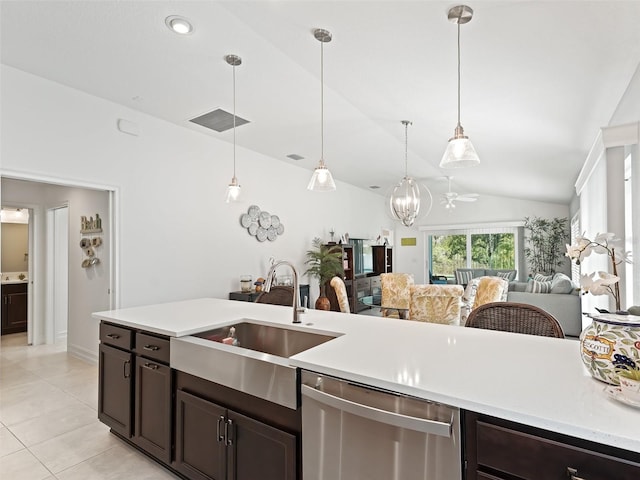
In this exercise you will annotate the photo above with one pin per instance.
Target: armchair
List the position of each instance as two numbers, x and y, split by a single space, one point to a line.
436 303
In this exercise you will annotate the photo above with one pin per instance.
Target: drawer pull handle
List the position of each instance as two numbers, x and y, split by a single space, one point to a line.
150 366
219 428
153 348
572 473
113 336
228 432
126 369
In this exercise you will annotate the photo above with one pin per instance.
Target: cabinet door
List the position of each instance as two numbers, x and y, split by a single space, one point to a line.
115 389
153 408
14 312
261 451
200 447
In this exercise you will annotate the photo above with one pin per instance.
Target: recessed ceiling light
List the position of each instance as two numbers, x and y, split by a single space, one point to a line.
179 25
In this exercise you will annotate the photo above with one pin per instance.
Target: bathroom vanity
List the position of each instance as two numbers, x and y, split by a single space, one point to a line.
14 306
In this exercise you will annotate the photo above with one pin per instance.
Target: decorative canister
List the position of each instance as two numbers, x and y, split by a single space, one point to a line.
611 342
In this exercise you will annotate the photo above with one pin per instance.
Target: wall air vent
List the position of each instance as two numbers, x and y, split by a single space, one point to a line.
218 120
295 156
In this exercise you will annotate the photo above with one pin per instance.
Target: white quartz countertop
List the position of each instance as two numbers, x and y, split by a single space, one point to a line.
536 381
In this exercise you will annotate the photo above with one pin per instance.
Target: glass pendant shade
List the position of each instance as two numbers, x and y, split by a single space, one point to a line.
321 180
233 191
460 152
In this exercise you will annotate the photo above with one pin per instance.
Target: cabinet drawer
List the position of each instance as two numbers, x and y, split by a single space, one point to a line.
116 336
529 456
363 284
376 282
153 347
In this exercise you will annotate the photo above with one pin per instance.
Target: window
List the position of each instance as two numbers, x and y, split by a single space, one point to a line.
448 252
495 251
490 248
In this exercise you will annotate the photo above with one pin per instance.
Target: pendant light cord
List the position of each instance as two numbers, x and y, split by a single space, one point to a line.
234 121
459 70
406 150
322 102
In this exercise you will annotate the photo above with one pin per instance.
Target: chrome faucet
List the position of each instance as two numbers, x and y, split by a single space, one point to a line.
297 309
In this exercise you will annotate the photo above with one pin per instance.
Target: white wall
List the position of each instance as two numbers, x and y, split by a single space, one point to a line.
177 237
486 210
628 111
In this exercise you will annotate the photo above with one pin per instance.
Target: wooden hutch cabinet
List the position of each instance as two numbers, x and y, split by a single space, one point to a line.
361 285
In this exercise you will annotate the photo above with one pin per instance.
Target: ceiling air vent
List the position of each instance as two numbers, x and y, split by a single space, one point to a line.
218 120
295 156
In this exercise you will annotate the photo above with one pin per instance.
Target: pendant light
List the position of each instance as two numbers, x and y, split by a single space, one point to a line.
406 198
460 152
233 190
322 180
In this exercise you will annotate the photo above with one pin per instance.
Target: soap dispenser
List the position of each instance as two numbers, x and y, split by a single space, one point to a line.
232 335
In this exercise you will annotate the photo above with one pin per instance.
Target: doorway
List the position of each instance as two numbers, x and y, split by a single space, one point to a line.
55 204
14 263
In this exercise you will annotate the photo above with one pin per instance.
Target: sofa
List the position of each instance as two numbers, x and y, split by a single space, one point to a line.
556 295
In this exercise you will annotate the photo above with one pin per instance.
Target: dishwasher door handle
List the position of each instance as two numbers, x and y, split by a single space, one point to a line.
435 427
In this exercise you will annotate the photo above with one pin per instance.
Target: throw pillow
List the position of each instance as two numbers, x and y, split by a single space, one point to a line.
509 276
538 277
535 286
463 277
561 284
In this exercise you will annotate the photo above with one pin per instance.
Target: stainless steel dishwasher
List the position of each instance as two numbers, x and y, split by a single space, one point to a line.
353 432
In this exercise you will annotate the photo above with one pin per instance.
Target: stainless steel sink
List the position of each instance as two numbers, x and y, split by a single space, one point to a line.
258 365
274 340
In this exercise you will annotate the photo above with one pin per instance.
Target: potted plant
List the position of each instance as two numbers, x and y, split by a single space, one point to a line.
325 262
545 243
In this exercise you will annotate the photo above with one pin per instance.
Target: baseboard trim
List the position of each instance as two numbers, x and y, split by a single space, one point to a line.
83 353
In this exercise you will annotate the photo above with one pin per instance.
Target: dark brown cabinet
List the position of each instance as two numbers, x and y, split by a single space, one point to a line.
500 450
14 308
196 428
200 448
135 388
217 443
114 389
382 259
153 396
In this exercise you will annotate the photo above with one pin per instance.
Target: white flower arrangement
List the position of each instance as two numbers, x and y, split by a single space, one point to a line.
600 283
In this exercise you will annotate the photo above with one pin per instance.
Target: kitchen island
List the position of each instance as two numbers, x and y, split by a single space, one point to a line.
534 381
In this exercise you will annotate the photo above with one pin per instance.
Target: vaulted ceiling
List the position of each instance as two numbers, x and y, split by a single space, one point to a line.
539 78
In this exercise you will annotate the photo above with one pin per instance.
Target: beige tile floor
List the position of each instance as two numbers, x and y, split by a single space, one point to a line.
49 426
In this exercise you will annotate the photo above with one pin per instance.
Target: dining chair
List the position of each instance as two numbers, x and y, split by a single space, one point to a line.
341 294
515 317
436 303
395 293
482 290
278 295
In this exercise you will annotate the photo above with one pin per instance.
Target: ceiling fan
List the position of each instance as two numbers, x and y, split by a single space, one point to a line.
449 198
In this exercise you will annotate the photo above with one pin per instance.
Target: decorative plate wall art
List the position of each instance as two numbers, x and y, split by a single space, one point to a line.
261 224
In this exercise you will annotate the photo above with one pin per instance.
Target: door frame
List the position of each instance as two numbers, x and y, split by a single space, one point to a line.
52 295
39 329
